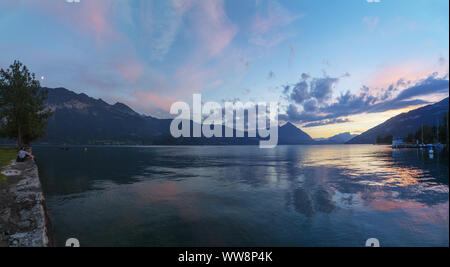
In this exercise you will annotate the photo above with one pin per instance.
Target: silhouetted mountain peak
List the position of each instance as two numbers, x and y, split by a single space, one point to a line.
291 127
291 134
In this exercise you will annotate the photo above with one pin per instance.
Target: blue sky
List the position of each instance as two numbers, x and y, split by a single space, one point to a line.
356 57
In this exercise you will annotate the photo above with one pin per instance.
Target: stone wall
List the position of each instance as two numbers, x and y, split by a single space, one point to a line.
23 218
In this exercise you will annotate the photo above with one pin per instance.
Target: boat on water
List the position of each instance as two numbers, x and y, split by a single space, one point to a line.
428 147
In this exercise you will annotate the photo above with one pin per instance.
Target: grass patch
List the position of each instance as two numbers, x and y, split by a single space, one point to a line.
7 154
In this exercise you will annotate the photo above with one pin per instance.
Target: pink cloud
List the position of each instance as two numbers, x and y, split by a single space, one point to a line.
130 70
143 99
185 81
142 85
182 5
212 26
267 27
264 24
214 32
86 17
95 14
408 71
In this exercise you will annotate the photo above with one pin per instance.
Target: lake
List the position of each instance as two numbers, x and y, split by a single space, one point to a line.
334 195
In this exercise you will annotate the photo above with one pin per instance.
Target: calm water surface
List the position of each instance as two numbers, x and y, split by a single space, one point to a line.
245 196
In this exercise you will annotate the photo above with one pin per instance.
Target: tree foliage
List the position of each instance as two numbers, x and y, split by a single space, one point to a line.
23 113
385 140
443 130
431 134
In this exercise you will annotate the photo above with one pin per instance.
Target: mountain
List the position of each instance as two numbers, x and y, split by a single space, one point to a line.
405 123
341 138
80 119
289 134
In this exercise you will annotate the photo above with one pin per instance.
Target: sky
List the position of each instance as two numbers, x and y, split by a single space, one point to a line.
333 65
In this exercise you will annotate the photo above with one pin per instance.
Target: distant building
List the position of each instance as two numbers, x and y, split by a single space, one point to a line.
396 142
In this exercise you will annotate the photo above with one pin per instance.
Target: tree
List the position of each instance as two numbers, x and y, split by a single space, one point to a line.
443 130
429 134
385 140
23 113
410 138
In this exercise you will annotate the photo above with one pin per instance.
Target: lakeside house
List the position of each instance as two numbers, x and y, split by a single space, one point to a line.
397 142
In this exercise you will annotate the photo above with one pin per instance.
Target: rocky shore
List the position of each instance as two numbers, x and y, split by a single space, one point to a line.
23 217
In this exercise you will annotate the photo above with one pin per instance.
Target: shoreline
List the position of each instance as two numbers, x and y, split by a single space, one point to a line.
24 221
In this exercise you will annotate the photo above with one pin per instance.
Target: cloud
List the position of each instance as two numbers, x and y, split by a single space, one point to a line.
210 34
300 92
135 57
442 61
131 70
153 24
286 89
306 76
322 88
345 75
213 26
326 122
410 70
292 53
91 18
430 85
372 22
161 102
311 105
319 89
292 114
314 112
351 104
268 26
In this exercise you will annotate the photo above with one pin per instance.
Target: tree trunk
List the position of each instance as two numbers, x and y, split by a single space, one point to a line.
19 137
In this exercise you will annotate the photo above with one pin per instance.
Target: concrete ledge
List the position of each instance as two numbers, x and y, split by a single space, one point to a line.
23 218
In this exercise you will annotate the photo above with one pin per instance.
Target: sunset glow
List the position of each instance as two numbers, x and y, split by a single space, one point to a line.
332 71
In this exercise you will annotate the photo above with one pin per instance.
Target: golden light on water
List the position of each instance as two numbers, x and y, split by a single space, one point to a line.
365 162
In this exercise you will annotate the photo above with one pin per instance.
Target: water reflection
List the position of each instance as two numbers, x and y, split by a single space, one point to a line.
211 196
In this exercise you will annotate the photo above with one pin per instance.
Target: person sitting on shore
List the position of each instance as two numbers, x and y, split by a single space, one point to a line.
23 155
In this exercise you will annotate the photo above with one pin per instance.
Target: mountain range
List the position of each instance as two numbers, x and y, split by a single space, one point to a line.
80 119
341 138
405 123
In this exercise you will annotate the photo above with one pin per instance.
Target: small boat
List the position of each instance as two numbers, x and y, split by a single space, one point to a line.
430 150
